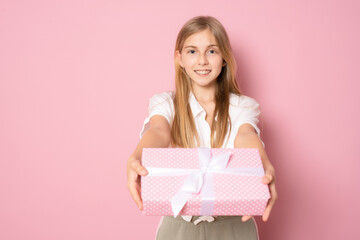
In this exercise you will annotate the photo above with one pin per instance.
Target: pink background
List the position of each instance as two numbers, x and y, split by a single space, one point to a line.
76 78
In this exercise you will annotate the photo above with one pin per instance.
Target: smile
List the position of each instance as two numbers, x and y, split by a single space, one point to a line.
202 72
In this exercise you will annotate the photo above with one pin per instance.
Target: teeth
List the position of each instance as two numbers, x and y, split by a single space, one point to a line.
203 72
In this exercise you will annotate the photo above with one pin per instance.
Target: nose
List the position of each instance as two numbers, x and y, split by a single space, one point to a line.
203 59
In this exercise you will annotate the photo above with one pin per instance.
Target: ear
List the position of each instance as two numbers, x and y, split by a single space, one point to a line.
178 57
224 63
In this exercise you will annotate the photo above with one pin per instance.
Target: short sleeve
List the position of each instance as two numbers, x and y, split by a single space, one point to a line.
159 104
247 111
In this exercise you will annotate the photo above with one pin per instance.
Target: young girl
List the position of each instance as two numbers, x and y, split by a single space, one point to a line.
206 110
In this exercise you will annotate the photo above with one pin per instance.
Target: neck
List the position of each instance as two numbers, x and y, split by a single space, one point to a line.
204 94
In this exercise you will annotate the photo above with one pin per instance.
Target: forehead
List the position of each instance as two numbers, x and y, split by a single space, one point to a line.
201 39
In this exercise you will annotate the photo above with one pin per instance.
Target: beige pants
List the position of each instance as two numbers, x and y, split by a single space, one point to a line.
224 228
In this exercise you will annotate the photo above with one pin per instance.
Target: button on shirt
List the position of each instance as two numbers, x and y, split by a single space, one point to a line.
242 109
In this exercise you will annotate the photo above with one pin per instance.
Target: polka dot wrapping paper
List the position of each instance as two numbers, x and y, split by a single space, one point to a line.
234 194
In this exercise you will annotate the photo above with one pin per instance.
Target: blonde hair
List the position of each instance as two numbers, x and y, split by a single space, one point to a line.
183 129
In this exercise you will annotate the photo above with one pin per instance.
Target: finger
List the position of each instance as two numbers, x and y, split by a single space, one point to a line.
245 218
267 211
139 168
271 203
135 193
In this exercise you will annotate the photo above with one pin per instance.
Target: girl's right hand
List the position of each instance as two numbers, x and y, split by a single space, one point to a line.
134 171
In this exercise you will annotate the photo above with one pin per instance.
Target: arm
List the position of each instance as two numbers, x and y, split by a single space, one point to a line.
157 136
247 138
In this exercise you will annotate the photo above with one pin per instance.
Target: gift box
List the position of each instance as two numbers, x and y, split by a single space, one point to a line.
203 181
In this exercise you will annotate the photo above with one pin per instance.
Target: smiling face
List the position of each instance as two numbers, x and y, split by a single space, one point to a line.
201 58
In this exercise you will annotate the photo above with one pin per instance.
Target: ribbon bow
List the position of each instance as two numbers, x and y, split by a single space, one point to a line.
195 181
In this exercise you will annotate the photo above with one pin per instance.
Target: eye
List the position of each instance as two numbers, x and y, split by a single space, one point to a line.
191 51
212 51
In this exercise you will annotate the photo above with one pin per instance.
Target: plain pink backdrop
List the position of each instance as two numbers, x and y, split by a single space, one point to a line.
76 78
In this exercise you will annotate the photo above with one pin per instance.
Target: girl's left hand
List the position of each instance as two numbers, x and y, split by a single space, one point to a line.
269 179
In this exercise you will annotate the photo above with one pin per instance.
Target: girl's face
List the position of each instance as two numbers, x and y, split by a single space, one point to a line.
201 58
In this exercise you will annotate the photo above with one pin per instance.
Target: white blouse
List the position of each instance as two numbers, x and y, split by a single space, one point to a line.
242 109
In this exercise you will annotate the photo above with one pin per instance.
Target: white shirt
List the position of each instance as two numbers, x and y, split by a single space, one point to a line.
242 109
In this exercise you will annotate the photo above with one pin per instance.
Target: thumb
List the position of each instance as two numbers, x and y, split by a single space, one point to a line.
136 165
267 178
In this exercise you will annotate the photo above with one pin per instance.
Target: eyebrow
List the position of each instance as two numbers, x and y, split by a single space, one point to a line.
211 45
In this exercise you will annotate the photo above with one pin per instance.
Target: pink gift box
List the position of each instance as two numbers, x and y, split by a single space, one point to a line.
236 190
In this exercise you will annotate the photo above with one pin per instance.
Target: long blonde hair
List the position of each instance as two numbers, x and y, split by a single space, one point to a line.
183 129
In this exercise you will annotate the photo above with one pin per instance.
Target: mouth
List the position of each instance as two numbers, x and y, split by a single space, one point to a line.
202 73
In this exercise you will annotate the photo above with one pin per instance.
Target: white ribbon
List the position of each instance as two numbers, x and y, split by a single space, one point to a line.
201 179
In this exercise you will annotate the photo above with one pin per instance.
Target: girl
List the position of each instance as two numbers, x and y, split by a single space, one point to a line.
206 110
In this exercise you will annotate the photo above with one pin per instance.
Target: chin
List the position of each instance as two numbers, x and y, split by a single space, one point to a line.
203 83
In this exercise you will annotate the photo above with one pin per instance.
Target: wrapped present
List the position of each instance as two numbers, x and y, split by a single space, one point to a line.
203 181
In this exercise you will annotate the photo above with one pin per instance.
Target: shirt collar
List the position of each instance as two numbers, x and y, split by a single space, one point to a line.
196 108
